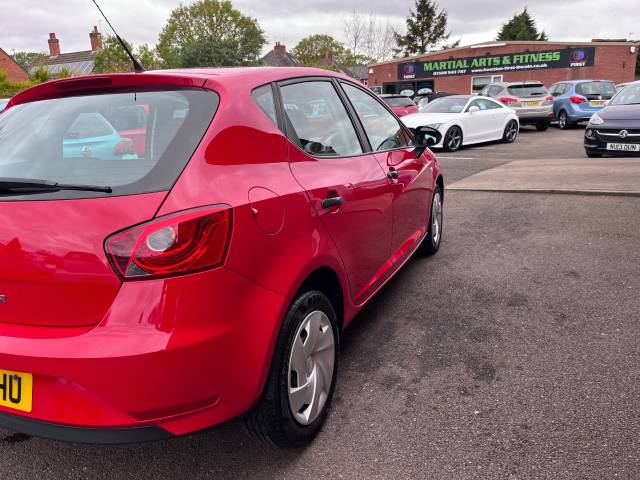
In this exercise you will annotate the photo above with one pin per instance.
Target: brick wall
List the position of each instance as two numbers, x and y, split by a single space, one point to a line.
11 68
612 62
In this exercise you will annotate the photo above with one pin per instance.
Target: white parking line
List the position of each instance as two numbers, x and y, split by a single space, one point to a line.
456 158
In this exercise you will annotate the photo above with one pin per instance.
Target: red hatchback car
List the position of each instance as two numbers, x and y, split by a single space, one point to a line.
400 105
146 296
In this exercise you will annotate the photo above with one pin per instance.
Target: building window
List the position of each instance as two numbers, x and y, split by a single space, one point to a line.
478 83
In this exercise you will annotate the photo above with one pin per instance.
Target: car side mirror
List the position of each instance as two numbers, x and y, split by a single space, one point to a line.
425 137
474 109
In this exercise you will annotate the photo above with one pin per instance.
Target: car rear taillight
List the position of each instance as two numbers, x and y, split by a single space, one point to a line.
577 100
124 147
181 243
508 100
549 98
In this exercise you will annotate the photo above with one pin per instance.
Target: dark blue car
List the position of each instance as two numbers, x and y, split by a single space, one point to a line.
575 101
615 130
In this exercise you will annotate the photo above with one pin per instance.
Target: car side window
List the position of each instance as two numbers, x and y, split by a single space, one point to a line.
494 91
484 92
475 103
559 89
486 104
320 122
263 96
383 130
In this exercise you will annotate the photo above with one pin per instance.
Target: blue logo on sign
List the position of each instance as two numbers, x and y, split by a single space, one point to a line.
409 69
578 56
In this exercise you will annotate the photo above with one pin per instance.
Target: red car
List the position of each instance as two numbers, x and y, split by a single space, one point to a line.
400 105
154 296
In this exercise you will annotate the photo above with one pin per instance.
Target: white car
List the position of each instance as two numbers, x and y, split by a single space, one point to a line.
465 120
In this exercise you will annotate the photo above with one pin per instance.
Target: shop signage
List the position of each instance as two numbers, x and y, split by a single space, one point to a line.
512 62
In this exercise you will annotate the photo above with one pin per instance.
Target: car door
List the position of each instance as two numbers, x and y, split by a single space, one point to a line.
347 187
410 177
496 118
475 128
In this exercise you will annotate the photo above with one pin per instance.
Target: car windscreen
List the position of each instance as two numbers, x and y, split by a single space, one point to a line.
596 90
133 142
446 105
629 95
527 90
399 101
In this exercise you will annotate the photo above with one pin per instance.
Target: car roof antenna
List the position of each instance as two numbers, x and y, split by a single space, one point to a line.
137 66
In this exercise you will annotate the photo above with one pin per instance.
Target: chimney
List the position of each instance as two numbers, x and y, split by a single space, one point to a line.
280 49
96 39
54 45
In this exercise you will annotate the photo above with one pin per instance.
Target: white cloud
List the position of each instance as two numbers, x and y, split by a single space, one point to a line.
30 21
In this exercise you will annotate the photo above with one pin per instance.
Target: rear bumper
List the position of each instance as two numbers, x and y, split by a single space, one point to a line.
531 116
82 435
172 356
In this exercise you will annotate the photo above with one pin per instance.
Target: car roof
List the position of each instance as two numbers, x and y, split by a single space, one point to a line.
524 82
249 77
586 80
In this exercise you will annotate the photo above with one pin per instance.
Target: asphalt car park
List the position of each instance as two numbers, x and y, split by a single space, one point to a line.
512 354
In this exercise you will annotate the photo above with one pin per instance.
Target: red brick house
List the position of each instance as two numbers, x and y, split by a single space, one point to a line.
15 72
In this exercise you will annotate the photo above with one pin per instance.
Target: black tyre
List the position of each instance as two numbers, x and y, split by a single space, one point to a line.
541 127
431 243
302 377
592 154
452 139
563 120
510 132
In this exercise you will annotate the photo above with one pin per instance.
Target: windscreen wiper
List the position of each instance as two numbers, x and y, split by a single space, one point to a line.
29 185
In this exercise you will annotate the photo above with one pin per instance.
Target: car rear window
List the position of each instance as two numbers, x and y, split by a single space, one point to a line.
399 102
596 90
527 90
133 142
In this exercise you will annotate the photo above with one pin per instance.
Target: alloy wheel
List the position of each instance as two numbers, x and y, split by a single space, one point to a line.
311 366
436 217
454 139
512 131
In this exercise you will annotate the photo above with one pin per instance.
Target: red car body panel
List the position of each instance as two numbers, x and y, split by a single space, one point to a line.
187 352
402 111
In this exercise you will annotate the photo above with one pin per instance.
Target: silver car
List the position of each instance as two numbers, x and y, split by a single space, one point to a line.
530 100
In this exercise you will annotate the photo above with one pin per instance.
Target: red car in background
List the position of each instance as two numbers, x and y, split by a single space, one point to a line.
400 105
210 275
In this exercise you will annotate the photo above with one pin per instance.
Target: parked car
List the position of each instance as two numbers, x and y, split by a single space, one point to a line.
425 99
620 86
400 105
615 130
465 120
213 277
530 100
576 100
3 103
92 136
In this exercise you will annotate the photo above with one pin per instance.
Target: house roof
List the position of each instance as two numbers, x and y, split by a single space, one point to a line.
13 69
79 63
280 59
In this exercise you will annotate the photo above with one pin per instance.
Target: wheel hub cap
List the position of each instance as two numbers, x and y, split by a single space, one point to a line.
311 365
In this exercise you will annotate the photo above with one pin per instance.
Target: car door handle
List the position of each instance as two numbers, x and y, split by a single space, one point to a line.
331 202
393 174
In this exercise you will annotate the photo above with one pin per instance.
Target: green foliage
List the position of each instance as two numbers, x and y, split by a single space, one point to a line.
312 51
65 73
26 59
40 75
522 27
9 89
426 29
113 59
210 33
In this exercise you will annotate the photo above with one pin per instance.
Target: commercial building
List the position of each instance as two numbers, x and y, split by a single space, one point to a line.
469 69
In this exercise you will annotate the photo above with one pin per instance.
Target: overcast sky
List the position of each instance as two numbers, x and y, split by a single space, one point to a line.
25 25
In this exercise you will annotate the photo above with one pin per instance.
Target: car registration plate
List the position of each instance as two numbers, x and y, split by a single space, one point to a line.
532 104
597 103
624 147
16 390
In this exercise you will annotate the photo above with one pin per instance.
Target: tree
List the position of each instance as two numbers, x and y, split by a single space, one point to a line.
112 58
521 26
65 73
324 51
40 75
26 59
370 36
210 33
426 29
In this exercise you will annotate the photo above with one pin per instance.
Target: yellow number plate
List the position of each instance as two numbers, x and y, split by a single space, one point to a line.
532 104
16 390
597 103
